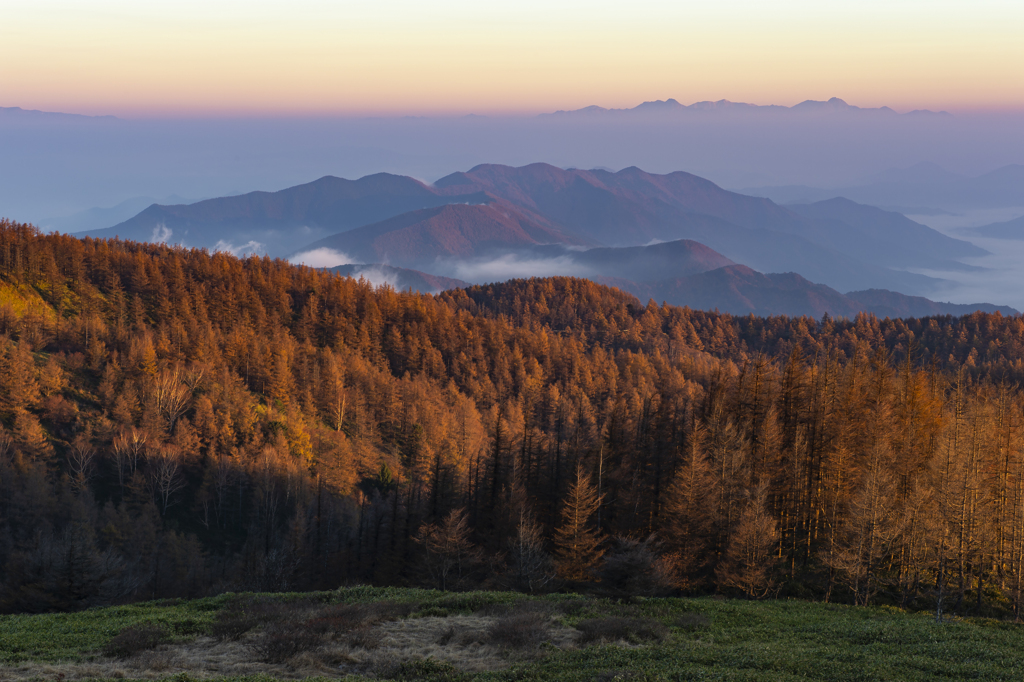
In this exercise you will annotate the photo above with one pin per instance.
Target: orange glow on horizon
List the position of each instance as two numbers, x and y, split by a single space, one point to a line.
258 60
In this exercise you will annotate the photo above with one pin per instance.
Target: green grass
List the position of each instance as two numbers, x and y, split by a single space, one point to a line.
78 636
772 640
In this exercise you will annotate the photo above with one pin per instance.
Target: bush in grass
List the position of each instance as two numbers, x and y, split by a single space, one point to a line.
280 641
428 670
574 607
343 618
241 615
633 568
364 638
692 621
232 625
135 639
616 628
519 630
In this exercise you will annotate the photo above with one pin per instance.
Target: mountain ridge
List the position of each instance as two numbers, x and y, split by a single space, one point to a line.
832 105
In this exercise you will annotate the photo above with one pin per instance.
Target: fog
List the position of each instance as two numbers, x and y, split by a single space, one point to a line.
322 258
510 266
1002 279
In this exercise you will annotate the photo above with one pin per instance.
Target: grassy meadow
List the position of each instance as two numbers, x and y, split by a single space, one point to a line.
409 634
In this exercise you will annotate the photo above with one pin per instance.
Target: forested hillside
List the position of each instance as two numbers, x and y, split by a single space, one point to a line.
176 423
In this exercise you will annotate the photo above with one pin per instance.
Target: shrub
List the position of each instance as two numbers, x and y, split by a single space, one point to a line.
242 614
280 641
574 607
473 602
633 569
634 630
135 639
519 630
428 670
364 638
692 621
343 618
447 636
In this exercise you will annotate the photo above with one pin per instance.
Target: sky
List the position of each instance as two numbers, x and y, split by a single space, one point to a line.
450 57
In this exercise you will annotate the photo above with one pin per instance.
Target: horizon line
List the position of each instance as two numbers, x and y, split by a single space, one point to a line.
216 113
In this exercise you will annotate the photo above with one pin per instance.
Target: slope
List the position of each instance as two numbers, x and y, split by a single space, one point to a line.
282 220
452 231
883 237
739 290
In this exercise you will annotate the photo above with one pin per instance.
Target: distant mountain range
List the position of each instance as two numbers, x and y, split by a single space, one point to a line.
676 237
285 220
923 185
19 114
740 290
420 238
814 107
633 207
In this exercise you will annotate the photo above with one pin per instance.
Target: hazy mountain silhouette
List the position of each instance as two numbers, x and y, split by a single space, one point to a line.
923 184
833 106
543 204
632 206
98 218
641 263
891 304
29 115
422 237
882 237
740 290
286 219
1010 229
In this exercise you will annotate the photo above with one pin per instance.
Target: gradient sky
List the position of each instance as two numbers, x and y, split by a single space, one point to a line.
253 57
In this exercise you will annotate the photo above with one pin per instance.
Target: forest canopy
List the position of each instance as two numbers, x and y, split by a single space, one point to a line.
180 423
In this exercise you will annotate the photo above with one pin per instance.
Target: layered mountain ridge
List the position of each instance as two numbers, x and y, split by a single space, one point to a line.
651 232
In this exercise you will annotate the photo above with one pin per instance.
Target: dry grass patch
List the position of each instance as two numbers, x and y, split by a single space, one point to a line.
288 640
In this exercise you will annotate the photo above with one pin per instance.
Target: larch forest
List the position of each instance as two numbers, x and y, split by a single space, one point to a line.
175 423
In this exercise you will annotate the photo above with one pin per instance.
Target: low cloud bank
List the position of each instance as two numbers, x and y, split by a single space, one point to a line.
251 247
510 266
321 258
377 276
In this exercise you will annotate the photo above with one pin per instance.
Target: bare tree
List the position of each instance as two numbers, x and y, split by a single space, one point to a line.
529 567
81 461
129 449
171 396
193 378
450 554
164 466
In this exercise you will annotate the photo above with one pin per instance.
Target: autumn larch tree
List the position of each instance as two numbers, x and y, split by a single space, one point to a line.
577 542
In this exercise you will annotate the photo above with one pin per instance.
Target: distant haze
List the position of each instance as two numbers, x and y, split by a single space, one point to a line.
55 166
